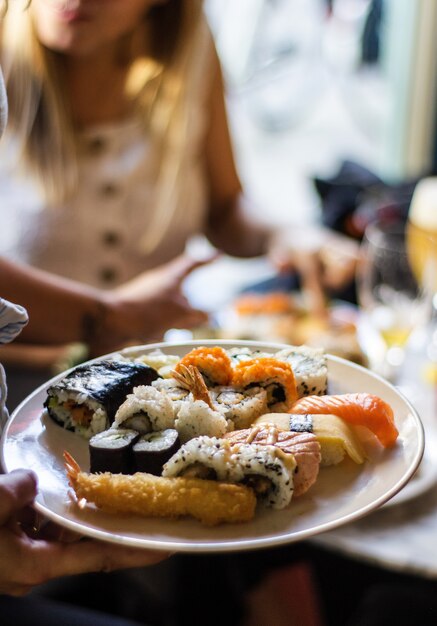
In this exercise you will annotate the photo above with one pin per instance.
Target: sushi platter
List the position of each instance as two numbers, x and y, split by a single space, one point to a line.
115 417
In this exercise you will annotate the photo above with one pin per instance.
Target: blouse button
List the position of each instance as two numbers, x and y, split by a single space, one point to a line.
108 274
96 145
109 190
111 238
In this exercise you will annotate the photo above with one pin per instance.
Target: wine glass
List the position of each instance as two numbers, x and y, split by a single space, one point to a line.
422 233
391 299
421 230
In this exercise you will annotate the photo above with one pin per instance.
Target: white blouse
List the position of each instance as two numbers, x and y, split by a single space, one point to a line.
97 237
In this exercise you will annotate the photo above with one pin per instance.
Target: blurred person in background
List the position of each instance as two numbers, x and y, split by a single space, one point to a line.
117 152
32 552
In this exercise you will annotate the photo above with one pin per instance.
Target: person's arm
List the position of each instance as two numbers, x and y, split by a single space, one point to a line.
307 249
62 310
230 227
27 561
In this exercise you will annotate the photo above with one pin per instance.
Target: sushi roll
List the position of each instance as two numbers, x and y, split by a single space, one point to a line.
175 392
302 445
273 375
310 369
266 469
213 363
239 406
151 451
196 418
336 438
197 415
86 400
203 457
146 409
111 451
245 354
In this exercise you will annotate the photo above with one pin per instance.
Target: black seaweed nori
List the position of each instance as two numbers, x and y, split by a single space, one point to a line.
154 449
108 382
111 451
301 423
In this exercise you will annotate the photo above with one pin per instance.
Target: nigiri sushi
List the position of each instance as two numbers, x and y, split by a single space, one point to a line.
335 436
360 409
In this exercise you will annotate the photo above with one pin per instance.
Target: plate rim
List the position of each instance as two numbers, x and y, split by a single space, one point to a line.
226 545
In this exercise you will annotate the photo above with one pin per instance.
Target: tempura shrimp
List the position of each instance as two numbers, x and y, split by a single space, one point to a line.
143 494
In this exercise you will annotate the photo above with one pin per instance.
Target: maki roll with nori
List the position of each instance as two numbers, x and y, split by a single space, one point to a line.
86 400
154 449
111 451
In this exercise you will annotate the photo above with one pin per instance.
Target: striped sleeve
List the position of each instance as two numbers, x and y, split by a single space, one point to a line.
13 318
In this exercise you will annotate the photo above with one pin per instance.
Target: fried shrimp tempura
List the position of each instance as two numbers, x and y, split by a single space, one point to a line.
208 501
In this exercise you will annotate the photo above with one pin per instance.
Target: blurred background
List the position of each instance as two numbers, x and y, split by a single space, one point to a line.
312 83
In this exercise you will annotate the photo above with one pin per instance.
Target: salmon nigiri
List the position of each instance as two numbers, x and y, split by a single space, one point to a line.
359 409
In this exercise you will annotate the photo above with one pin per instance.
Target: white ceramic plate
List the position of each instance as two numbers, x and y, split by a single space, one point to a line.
423 479
342 494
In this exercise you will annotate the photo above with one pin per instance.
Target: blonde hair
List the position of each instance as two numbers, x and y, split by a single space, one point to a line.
40 117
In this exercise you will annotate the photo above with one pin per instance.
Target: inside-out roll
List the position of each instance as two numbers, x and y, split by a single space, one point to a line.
146 409
266 469
310 369
239 406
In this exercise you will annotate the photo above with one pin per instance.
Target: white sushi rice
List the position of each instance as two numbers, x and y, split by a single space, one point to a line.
207 452
253 460
239 406
162 363
310 369
177 394
98 422
237 355
146 401
196 418
237 464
